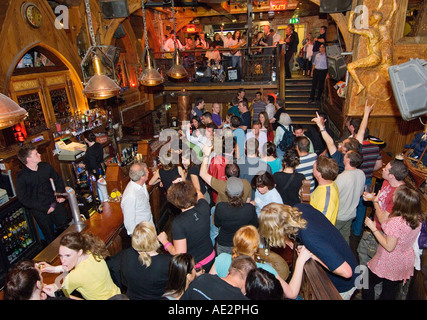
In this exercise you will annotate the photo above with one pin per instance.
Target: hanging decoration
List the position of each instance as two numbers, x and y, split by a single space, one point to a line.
99 86
150 76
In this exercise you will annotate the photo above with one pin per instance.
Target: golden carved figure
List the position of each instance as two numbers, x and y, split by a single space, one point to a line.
379 43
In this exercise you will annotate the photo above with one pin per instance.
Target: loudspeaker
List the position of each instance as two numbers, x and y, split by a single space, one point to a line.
113 53
120 32
334 6
112 9
233 74
409 84
337 67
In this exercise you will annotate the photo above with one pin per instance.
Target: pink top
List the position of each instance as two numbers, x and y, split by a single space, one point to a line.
398 264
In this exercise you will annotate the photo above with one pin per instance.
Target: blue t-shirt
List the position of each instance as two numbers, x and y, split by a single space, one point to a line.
324 240
240 136
223 262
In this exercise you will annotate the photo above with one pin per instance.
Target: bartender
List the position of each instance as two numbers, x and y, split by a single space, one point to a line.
94 155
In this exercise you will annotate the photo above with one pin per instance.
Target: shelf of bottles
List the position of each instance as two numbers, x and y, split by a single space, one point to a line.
17 232
81 122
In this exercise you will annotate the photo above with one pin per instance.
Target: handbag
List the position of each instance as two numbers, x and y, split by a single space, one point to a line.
422 239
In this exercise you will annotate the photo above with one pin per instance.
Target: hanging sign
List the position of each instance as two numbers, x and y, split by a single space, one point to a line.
190 28
278 5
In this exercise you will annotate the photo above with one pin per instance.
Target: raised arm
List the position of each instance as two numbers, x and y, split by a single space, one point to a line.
204 166
330 144
364 124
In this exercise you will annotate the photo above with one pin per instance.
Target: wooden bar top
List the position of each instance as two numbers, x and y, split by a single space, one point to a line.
104 225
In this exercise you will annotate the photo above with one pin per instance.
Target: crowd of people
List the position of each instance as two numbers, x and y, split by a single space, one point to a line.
224 49
233 186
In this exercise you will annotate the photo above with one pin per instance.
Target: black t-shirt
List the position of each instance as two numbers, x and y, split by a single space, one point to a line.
317 44
246 119
211 287
142 283
34 189
94 156
290 193
229 219
194 226
167 176
195 170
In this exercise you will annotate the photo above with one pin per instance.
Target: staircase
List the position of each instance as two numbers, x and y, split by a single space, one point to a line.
297 94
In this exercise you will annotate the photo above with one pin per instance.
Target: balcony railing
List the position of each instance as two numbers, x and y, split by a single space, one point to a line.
256 65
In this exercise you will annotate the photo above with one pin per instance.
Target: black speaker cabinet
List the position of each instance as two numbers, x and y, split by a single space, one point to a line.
112 9
233 74
337 67
334 6
409 84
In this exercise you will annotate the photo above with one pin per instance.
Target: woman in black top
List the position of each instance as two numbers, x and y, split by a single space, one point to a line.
289 182
230 216
94 155
168 172
191 228
141 269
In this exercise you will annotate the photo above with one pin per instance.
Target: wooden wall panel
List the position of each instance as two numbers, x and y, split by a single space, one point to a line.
394 131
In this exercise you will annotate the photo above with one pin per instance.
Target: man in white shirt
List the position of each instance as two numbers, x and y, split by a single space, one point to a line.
170 43
136 200
270 108
319 72
276 37
258 134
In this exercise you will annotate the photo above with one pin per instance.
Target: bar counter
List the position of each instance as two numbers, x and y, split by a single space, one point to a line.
106 225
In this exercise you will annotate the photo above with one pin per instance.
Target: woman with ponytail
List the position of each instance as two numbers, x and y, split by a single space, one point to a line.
246 242
83 268
141 269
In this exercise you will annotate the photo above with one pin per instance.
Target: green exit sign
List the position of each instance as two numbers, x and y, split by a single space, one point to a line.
294 20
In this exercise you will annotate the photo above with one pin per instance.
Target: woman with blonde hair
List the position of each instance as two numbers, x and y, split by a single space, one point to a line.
82 261
141 269
246 241
283 225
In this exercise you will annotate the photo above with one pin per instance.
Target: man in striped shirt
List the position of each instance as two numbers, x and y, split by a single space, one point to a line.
307 159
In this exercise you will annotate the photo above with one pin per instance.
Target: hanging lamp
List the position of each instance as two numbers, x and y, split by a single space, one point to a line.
177 71
10 112
99 86
150 76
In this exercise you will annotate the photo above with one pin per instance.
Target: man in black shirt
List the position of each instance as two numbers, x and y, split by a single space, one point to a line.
245 115
318 41
291 47
35 191
212 287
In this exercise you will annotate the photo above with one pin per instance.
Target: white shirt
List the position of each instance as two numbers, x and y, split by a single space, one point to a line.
135 206
200 140
271 110
228 42
276 38
262 138
350 184
170 45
